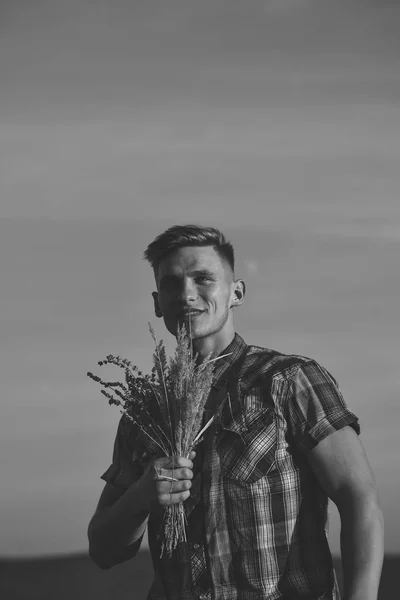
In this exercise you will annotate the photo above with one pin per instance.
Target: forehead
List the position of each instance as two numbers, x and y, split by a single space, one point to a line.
191 258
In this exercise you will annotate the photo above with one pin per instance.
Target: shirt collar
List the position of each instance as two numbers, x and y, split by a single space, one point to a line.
236 350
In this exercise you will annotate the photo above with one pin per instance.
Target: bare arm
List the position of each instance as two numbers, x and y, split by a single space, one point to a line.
117 527
341 466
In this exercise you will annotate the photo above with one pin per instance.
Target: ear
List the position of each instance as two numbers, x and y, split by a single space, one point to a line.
238 293
157 309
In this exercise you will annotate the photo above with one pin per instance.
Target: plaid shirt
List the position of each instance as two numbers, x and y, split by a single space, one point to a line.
257 516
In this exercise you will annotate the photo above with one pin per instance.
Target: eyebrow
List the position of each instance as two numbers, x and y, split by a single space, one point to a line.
203 272
192 274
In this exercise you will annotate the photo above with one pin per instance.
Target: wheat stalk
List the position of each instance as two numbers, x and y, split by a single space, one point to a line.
168 407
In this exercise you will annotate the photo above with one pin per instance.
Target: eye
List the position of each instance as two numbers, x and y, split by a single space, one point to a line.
203 278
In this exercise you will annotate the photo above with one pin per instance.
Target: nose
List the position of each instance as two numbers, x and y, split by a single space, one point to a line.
188 292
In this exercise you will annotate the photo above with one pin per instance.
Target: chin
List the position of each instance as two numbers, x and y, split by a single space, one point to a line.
197 335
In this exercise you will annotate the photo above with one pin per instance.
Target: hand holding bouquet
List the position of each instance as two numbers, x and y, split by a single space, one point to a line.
167 406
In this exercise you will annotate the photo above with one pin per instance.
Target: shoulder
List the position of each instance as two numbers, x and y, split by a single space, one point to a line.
126 428
128 437
134 441
266 363
290 373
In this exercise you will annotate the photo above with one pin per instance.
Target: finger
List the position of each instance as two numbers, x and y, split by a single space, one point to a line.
173 462
169 499
173 487
179 474
161 474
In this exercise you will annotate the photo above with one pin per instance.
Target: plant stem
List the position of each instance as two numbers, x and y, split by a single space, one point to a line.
206 426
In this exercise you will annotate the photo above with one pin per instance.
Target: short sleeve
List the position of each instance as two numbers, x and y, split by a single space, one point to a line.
316 406
125 468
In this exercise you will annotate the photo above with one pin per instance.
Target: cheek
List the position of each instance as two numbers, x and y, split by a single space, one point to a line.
213 300
218 301
164 301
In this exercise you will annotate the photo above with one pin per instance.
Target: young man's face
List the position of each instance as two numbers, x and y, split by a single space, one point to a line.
194 278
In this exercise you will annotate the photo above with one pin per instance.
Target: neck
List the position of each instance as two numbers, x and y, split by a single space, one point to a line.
215 344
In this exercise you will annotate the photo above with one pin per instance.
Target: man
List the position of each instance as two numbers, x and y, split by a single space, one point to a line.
256 491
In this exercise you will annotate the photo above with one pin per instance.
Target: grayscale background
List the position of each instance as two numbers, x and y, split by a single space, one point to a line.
277 121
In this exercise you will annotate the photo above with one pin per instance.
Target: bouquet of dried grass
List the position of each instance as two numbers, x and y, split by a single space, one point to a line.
167 406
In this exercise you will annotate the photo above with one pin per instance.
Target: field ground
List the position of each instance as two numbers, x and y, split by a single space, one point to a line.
75 577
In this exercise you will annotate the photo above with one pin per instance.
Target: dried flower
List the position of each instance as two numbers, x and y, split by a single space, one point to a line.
168 407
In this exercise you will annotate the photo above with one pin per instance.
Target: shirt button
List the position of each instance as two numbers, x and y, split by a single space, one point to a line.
196 547
202 596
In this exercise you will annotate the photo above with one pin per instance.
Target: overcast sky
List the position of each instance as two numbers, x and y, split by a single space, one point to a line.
279 122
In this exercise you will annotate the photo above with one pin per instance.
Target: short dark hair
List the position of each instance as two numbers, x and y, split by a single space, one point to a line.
179 236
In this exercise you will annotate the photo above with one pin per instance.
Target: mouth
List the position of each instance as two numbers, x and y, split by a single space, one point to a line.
190 314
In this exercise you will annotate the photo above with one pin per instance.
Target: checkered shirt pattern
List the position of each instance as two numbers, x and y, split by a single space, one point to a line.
257 524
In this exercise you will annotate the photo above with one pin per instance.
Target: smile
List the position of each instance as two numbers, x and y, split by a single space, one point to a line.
191 313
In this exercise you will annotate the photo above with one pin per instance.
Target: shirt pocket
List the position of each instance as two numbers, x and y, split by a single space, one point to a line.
246 445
